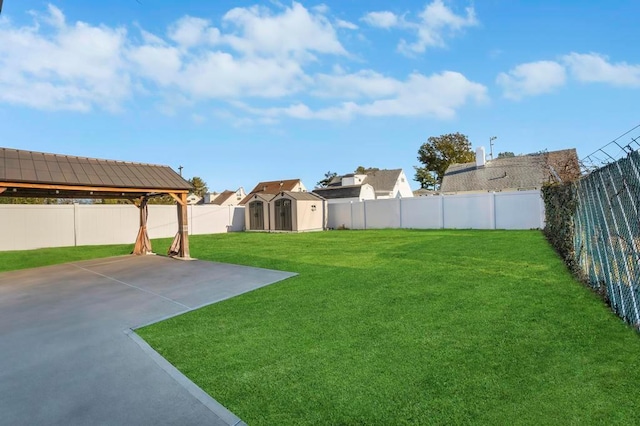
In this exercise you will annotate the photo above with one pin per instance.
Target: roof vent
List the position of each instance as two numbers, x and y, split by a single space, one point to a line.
480 158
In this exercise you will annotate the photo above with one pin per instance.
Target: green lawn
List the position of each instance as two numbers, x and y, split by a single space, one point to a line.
404 327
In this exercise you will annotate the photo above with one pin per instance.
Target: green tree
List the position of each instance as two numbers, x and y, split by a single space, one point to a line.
437 154
327 179
506 154
361 170
200 186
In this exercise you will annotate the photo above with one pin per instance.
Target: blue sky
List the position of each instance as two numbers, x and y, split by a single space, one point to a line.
243 91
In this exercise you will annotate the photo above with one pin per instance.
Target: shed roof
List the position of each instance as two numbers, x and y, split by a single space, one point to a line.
519 172
32 174
303 196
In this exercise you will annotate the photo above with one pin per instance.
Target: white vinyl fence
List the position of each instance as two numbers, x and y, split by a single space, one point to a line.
490 210
27 226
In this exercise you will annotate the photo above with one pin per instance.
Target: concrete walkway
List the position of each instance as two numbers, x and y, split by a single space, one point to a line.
68 355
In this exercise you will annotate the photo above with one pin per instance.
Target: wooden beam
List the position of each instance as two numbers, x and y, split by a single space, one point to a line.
89 188
178 199
183 228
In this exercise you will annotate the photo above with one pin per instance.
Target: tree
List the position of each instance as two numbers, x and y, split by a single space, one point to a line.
438 153
361 170
506 154
200 186
327 179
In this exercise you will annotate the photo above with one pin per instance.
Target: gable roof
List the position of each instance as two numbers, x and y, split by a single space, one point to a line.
58 171
224 196
272 187
519 172
334 192
383 180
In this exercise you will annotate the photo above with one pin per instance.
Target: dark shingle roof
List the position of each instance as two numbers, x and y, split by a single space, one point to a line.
20 166
333 192
519 172
383 180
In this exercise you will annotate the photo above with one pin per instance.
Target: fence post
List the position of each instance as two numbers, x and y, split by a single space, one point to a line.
441 211
364 213
75 224
492 210
400 208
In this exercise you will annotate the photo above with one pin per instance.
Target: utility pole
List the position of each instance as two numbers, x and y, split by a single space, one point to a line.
179 167
491 139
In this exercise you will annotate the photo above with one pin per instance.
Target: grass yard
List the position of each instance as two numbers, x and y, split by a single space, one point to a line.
399 327
407 327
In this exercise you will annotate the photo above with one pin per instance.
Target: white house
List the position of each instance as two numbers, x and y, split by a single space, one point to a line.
378 184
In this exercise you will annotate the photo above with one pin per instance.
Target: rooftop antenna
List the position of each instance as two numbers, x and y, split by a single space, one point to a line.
491 139
179 167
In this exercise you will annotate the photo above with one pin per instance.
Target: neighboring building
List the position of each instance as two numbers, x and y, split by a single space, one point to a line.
512 173
287 211
274 187
424 192
346 193
193 199
225 198
379 184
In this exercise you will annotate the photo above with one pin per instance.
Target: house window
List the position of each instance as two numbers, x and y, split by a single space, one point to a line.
313 207
401 179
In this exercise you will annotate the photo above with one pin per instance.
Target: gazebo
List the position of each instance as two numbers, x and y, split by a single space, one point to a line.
43 175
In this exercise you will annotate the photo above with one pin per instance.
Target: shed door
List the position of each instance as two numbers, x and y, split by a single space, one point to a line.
256 215
283 215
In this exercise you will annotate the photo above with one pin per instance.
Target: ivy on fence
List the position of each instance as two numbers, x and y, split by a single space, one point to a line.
594 224
560 206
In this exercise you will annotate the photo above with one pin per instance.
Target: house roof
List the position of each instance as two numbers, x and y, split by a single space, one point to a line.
272 187
224 196
383 180
519 172
303 196
333 192
26 168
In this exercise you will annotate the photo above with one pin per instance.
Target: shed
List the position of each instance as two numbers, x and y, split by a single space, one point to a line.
256 212
44 175
298 212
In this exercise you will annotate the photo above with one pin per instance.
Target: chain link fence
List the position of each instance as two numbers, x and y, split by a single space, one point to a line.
606 234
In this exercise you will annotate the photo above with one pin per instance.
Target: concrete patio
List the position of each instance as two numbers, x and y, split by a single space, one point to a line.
67 352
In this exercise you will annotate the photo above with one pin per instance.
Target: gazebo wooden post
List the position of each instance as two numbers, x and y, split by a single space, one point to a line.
183 227
143 244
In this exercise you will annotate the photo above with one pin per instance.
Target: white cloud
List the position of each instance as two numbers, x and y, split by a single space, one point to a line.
533 78
436 22
63 66
346 25
295 31
384 19
436 96
189 31
595 68
255 53
365 83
